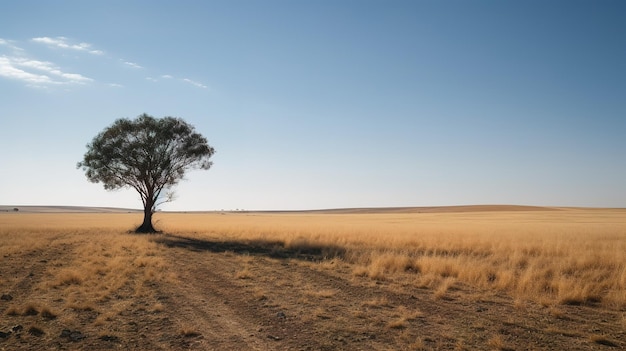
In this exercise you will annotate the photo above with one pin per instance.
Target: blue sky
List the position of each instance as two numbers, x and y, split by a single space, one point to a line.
324 104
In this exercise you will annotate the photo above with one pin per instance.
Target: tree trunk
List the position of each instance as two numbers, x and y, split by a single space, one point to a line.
146 226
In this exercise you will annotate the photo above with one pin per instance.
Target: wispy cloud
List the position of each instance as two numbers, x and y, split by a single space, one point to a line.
132 64
186 80
50 68
17 64
37 73
192 82
62 42
9 70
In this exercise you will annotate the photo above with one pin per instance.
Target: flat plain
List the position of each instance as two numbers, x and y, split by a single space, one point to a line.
438 278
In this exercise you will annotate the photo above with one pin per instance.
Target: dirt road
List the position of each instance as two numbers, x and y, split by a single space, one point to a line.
261 296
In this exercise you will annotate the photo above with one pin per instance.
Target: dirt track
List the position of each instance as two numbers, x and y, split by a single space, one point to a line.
261 296
286 301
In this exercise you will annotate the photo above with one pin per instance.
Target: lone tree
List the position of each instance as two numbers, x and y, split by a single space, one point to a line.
148 154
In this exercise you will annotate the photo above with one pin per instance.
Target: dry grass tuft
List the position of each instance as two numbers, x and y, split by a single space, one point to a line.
519 304
377 302
556 312
408 314
243 274
28 309
321 313
443 288
418 345
189 332
103 319
259 294
402 317
158 308
69 276
497 343
399 323
31 309
324 293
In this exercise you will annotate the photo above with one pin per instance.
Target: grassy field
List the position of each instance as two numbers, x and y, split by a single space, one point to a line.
476 279
567 256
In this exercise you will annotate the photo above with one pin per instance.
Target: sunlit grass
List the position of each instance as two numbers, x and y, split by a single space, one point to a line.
567 256
93 264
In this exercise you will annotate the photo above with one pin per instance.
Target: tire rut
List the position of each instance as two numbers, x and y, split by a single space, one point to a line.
292 304
209 308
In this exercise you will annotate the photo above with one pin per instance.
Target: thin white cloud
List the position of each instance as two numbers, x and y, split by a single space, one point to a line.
199 85
48 67
62 42
132 64
38 73
17 65
8 70
186 80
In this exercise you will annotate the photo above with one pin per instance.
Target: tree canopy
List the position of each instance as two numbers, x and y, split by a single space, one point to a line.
148 154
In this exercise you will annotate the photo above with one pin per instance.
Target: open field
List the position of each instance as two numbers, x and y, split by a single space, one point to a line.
65 209
474 278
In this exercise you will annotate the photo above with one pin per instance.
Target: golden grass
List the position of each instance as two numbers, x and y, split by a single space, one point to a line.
443 288
377 302
324 293
566 256
189 332
399 323
244 274
497 343
260 294
403 317
98 261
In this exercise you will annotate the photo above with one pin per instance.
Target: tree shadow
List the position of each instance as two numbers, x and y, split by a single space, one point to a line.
275 249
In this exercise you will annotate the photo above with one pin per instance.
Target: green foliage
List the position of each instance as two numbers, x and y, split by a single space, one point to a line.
148 154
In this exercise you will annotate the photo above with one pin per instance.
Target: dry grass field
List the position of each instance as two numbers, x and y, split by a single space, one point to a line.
464 278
